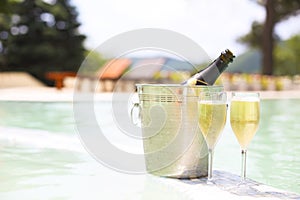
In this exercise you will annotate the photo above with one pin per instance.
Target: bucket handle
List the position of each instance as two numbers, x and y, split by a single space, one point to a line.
136 109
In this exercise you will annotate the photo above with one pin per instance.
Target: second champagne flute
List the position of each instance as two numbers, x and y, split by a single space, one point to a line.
244 120
212 118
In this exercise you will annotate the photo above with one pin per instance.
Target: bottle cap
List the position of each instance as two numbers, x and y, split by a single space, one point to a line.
227 56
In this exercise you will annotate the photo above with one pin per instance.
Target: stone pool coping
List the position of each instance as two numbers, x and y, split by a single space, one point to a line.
50 94
226 186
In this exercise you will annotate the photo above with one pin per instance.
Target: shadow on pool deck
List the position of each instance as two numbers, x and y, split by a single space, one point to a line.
231 183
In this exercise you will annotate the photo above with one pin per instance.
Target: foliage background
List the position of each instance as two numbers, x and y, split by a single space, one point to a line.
38 37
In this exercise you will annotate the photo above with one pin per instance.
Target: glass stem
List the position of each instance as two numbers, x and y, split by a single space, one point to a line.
210 162
244 156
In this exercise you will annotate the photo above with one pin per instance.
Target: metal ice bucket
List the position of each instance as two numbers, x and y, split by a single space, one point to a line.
172 141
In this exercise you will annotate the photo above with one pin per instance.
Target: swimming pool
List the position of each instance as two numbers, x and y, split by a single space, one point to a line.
41 155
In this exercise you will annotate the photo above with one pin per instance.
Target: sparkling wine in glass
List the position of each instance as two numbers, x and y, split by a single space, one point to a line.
244 120
212 118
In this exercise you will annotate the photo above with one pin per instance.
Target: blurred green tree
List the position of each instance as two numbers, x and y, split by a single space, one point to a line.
4 6
287 55
262 35
41 36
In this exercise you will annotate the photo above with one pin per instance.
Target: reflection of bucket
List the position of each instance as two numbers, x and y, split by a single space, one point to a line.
173 143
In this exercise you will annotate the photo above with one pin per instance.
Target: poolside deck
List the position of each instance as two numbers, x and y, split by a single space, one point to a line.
50 94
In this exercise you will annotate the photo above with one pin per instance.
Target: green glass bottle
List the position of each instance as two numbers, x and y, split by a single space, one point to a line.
209 75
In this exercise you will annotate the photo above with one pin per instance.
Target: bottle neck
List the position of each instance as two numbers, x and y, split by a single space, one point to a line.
210 74
221 65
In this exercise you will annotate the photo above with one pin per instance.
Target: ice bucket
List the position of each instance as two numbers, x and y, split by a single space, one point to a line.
172 141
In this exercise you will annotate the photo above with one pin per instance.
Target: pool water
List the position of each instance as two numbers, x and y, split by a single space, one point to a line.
41 156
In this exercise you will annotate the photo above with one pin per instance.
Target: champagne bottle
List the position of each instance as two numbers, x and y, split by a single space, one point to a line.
209 75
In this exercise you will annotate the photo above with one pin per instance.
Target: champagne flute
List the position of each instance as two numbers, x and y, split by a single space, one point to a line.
244 120
212 107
